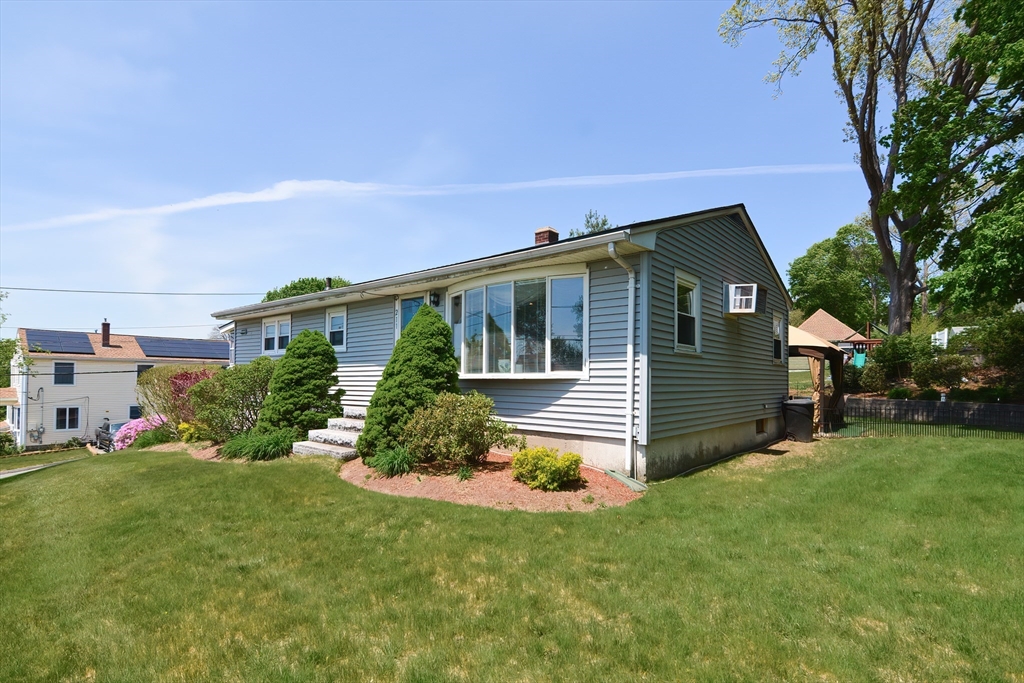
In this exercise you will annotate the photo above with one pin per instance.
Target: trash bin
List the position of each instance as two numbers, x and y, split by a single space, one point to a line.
799 414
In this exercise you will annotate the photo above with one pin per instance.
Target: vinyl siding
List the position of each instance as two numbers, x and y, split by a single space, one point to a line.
371 337
594 406
248 341
734 376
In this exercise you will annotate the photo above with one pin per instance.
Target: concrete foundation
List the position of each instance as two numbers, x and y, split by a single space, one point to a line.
605 454
677 454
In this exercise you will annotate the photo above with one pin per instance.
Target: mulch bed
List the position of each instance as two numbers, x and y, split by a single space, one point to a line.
492 486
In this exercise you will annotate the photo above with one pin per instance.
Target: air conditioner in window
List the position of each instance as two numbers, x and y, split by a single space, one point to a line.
745 299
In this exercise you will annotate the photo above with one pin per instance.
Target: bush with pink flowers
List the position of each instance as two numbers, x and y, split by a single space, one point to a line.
131 430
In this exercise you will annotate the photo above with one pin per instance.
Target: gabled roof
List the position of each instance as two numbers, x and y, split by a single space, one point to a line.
823 325
628 239
127 347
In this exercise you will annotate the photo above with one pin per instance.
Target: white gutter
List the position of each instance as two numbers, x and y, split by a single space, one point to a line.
630 465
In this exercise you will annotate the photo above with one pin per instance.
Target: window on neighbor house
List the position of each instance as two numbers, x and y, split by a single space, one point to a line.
687 313
64 373
336 321
134 412
777 337
67 419
277 332
521 327
139 369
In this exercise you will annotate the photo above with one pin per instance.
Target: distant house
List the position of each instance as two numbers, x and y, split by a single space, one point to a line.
648 348
63 384
824 326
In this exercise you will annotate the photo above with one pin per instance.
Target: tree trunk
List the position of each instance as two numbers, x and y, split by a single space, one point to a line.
903 289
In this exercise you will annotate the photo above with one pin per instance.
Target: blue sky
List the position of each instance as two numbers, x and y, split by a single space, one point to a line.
152 146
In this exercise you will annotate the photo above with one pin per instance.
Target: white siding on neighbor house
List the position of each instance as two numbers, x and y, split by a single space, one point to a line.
594 406
735 376
108 394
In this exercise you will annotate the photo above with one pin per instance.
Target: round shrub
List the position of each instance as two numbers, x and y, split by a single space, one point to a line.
130 431
458 430
899 393
929 395
268 445
422 366
873 379
543 468
898 354
300 387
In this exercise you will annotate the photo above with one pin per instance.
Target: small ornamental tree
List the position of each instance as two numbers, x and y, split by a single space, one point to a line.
229 403
163 390
422 366
300 388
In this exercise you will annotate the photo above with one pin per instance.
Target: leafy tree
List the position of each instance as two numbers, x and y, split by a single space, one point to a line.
592 222
304 285
1000 340
890 52
163 391
422 366
841 275
7 349
300 388
229 403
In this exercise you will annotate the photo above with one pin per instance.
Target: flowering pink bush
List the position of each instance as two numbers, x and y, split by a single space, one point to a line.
127 434
180 384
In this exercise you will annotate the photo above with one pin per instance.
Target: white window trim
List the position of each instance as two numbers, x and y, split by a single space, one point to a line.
74 373
531 274
276 322
398 309
698 306
776 316
327 326
67 429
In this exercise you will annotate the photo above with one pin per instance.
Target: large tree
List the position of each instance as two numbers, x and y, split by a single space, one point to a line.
885 54
841 275
592 222
304 285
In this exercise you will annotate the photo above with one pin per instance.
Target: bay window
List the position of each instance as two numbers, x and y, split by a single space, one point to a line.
521 327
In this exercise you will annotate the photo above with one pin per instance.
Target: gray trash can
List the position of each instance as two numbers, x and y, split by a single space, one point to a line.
799 414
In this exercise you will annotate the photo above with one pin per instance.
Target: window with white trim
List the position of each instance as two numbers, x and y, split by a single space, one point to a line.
66 418
777 337
408 309
687 311
337 326
534 326
277 332
64 374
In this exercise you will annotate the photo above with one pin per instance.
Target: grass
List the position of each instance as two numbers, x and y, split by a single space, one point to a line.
14 462
878 559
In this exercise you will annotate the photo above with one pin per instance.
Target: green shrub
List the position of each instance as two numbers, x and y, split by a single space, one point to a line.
269 445
155 436
929 395
300 387
947 370
458 430
543 468
73 442
899 393
8 446
392 462
898 354
229 402
981 395
422 366
873 379
1000 340
163 390
465 473
851 379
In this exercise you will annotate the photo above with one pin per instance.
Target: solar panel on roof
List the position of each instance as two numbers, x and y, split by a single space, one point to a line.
58 341
162 347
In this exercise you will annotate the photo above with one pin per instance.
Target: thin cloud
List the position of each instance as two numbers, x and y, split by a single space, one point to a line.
295 189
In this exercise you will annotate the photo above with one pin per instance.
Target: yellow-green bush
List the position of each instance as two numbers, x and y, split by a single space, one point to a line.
543 468
192 431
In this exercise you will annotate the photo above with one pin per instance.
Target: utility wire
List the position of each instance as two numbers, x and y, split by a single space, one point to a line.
30 373
119 327
107 291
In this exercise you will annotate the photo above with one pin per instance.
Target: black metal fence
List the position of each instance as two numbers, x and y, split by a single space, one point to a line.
884 417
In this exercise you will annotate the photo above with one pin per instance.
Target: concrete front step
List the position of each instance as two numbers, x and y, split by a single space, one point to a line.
314 448
334 436
355 413
346 424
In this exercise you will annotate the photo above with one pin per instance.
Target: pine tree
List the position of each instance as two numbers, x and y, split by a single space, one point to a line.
300 388
422 366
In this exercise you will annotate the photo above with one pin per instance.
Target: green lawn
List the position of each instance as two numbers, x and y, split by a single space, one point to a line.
877 560
14 462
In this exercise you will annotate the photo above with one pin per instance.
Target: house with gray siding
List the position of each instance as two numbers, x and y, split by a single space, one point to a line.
650 348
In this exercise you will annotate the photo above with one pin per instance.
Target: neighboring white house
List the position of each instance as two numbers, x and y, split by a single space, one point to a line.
65 383
942 337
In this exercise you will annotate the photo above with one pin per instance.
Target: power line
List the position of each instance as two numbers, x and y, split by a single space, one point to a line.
119 327
31 373
107 291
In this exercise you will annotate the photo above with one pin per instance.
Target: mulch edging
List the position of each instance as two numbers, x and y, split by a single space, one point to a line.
492 486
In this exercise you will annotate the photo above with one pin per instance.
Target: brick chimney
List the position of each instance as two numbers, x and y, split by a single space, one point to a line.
547 235
106 332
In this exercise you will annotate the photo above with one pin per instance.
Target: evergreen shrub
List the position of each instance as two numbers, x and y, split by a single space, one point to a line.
267 445
458 430
422 366
899 393
300 387
851 379
229 403
543 468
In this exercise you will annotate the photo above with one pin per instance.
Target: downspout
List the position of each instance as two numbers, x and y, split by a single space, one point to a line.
629 459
